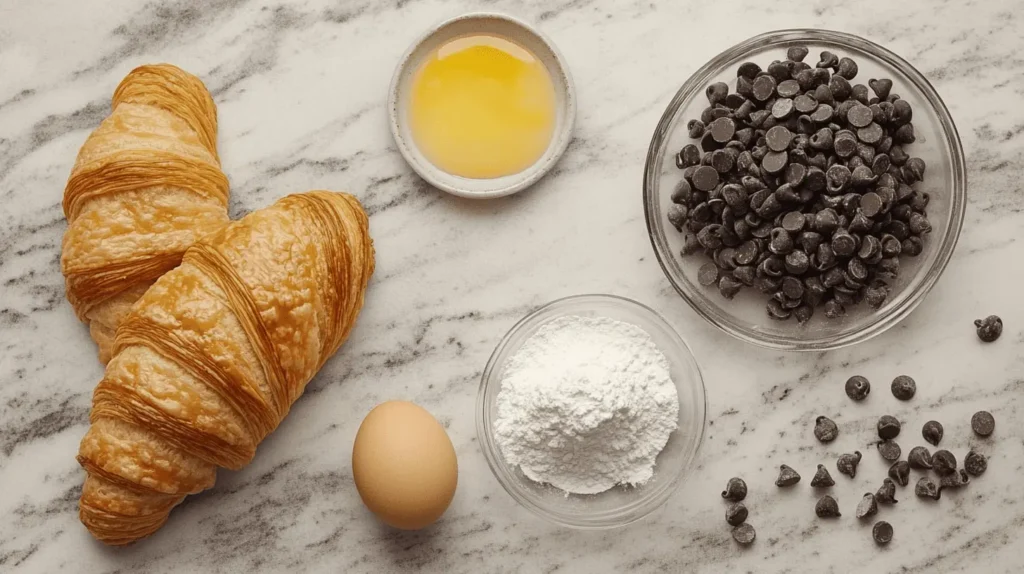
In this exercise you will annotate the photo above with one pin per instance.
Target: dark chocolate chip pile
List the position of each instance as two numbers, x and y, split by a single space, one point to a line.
801 187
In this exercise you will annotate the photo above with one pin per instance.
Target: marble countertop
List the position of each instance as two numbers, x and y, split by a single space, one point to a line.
301 88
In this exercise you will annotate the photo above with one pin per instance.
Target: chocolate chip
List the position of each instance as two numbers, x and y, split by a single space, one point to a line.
867 506
900 472
920 457
823 113
955 480
926 488
888 427
736 514
989 329
729 286
857 388
825 429
860 116
889 450
822 479
887 492
778 138
847 463
735 490
847 69
774 161
705 178
782 108
881 87
722 129
903 388
722 161
975 464
932 432
943 462
983 423
707 275
764 87
881 532
744 534
796 53
805 104
827 507
787 476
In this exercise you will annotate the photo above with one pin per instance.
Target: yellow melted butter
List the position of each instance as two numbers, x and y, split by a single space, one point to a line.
482 107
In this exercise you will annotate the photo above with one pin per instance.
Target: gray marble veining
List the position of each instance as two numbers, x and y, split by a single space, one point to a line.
301 88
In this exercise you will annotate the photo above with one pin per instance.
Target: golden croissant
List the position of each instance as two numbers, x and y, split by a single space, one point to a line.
147 183
210 359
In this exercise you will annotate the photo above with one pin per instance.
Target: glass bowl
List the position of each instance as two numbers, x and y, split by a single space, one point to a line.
621 505
945 180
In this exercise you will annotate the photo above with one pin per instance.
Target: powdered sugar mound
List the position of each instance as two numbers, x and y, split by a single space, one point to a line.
586 404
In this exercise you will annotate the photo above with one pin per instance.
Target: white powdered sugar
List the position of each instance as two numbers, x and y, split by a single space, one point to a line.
586 404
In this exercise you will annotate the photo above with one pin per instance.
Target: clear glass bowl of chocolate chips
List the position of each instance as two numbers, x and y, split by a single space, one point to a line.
805 189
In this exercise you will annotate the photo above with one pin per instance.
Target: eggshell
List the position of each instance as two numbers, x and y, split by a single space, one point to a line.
404 465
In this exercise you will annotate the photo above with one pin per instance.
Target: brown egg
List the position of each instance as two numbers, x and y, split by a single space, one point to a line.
404 465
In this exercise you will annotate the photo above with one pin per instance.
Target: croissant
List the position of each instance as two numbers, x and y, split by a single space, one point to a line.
147 183
211 358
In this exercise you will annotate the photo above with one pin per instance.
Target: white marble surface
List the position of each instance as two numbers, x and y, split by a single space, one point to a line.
300 88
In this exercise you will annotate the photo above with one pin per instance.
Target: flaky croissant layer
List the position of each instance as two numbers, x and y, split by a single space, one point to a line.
146 184
211 358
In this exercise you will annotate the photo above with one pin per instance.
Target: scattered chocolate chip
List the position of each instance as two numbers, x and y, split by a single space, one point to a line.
932 432
882 532
736 514
847 463
975 464
857 387
943 462
887 492
735 490
920 457
888 427
900 472
903 388
889 450
822 478
827 507
955 479
744 534
926 488
983 423
990 328
787 476
825 430
867 506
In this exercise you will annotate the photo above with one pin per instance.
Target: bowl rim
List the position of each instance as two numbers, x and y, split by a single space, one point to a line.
605 519
958 197
514 182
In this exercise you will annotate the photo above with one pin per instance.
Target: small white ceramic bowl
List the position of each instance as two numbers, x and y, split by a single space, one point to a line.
482 23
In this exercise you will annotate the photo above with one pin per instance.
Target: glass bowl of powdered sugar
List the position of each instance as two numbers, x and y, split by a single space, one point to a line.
591 411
